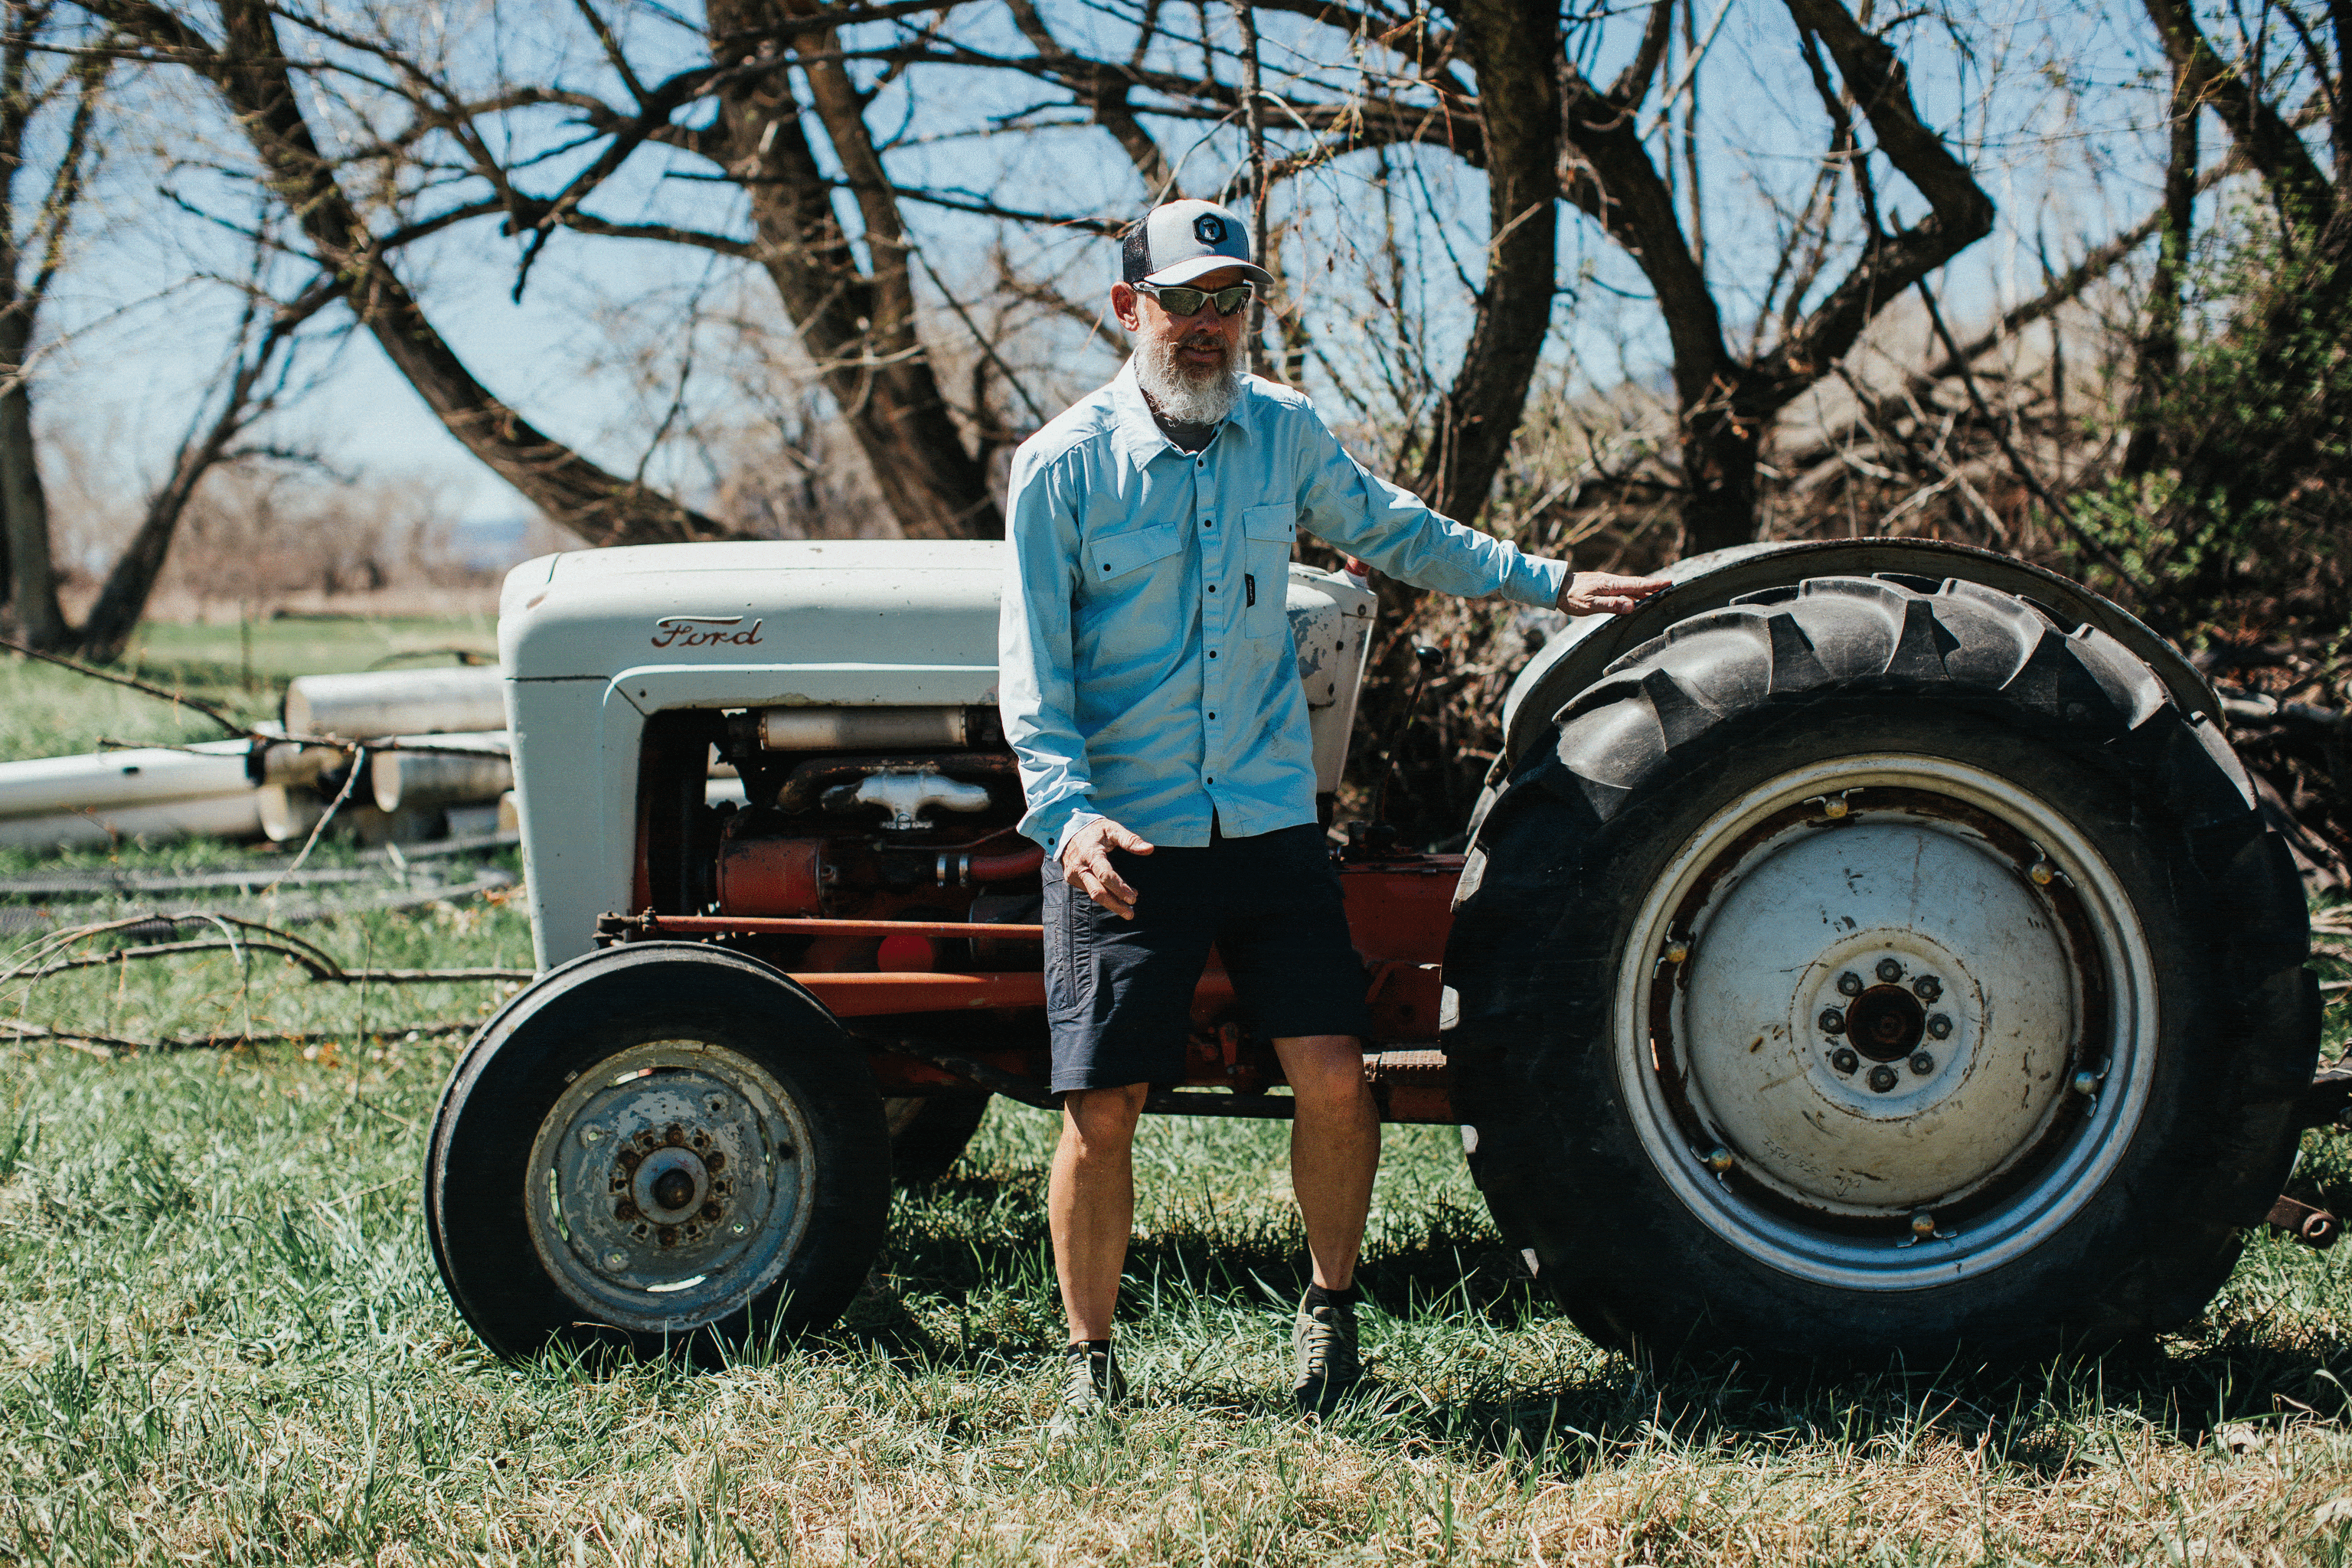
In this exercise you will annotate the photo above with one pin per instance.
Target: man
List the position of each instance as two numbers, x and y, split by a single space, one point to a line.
1150 691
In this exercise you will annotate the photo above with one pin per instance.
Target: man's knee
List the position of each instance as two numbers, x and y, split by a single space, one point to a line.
1326 1071
1102 1120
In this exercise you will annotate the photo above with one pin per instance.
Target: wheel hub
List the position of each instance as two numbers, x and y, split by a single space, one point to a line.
666 1184
1886 1023
1864 1030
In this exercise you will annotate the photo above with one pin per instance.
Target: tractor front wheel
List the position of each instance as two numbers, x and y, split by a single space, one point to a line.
659 1146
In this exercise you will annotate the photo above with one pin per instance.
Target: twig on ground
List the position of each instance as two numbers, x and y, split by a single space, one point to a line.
109 1046
315 961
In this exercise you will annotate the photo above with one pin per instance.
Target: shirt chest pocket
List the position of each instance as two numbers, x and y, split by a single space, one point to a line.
1109 558
1267 534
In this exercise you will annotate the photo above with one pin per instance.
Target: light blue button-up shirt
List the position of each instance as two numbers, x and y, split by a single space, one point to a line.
1146 671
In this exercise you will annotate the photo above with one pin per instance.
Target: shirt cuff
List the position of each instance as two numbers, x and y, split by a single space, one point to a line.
1538 581
1077 819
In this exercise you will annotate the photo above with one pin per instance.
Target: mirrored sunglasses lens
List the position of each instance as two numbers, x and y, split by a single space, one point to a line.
1178 299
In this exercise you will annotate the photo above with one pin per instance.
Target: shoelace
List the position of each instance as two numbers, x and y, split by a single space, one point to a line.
1323 1333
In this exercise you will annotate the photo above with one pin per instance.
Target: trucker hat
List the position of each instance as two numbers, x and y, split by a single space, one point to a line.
1180 241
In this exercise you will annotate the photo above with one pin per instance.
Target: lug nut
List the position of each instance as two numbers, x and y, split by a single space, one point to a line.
1938 1026
1889 970
1849 984
1844 1061
1927 988
1922 1063
2085 1083
1717 1158
1832 1021
1677 950
1882 1077
615 1260
625 1211
1923 1225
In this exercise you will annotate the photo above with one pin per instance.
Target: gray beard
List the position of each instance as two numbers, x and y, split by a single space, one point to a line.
1180 393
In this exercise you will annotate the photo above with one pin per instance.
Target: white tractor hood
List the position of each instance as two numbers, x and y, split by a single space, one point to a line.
836 621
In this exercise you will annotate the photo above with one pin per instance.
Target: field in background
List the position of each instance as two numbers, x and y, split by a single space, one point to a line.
46 711
222 1340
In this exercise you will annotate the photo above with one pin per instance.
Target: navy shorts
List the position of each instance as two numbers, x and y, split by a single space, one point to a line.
1118 993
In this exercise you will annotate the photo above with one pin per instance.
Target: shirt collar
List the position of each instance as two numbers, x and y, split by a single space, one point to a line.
1139 436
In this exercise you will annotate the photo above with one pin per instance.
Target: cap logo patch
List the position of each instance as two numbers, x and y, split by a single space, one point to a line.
1209 229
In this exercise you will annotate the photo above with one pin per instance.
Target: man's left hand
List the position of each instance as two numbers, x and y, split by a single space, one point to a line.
1605 593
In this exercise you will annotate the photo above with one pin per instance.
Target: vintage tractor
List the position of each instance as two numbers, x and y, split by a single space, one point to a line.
1864 947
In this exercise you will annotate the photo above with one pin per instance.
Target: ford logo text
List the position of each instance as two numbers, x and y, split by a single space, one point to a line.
702 631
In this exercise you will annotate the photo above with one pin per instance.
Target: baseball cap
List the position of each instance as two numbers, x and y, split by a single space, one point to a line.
1179 241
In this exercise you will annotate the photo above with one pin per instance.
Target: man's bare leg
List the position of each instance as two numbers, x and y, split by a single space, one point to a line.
1335 1147
1090 1203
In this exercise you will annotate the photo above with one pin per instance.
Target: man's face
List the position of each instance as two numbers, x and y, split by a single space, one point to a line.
1201 346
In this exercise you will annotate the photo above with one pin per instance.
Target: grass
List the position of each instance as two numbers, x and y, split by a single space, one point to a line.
222 1340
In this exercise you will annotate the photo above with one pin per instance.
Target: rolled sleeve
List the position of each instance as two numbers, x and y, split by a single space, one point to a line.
1037 689
1345 505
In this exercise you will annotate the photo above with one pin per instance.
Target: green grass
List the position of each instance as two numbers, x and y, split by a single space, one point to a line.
50 712
222 1340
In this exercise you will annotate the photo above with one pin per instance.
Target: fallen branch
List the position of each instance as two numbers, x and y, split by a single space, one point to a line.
107 1046
313 960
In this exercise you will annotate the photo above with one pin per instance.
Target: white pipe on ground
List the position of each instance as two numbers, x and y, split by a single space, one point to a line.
434 778
229 815
368 704
287 812
114 781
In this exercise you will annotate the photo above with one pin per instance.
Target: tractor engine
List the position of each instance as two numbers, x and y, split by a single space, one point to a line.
845 813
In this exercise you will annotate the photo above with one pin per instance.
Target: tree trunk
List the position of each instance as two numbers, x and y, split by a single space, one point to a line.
2159 342
859 327
24 505
1513 46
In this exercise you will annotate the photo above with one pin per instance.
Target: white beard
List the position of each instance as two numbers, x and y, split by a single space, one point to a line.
1182 392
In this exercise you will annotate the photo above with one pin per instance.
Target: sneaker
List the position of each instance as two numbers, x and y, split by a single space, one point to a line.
1323 1350
1093 1384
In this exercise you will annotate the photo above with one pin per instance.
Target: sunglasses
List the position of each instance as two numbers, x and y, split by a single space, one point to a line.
1179 301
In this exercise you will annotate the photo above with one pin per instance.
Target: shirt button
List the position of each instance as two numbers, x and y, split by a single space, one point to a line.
1212 715
1212 587
1213 653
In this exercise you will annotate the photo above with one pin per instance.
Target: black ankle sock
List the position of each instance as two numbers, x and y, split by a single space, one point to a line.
1317 1296
1078 1348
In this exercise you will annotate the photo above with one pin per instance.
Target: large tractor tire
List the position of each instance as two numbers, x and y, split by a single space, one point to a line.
1879 966
661 1146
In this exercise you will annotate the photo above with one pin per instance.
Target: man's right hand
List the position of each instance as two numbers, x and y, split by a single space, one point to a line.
1086 864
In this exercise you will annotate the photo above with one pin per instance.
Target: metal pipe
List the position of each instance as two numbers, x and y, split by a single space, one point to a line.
807 783
369 704
860 728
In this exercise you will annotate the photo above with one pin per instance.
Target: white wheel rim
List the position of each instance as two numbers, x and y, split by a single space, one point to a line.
1973 1143
668 1186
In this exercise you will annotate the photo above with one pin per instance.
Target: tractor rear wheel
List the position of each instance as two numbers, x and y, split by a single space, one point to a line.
659 1146
1878 965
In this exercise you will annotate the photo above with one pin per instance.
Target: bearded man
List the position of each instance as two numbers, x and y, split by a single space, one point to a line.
1150 691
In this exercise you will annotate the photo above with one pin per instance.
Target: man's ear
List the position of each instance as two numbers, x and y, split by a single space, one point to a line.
1124 304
